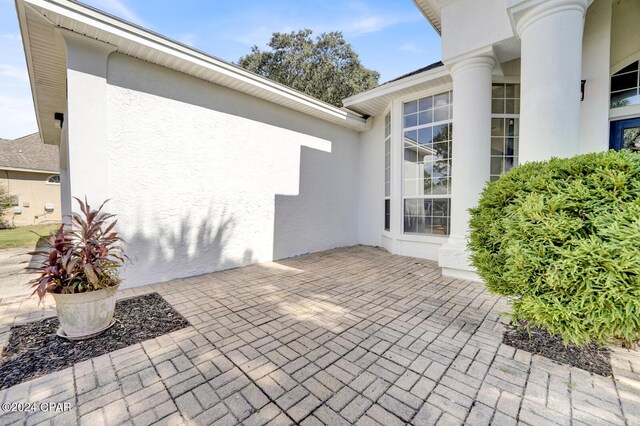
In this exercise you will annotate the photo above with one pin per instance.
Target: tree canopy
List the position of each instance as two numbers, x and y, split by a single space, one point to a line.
327 68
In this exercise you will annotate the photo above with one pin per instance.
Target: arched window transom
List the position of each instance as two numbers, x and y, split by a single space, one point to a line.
625 86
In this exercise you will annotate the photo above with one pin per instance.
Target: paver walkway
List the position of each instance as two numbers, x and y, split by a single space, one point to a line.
13 277
352 335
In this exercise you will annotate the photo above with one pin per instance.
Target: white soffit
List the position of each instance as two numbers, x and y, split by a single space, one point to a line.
431 10
47 66
375 101
45 57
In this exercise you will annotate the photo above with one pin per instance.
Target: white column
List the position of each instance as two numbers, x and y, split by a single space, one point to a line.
86 142
551 69
470 154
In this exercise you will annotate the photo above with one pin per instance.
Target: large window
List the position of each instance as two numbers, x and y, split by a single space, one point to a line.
625 87
505 128
426 181
387 172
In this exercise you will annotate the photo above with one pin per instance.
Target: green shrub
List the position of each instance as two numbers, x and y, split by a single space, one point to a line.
5 203
562 238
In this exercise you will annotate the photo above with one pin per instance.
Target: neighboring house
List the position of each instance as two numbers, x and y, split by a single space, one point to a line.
29 171
209 166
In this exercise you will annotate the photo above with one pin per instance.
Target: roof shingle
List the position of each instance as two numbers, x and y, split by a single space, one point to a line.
28 152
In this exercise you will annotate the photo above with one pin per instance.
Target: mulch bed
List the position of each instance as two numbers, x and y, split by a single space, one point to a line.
593 358
34 349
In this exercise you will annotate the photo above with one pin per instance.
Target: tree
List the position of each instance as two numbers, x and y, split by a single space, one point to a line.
5 202
327 69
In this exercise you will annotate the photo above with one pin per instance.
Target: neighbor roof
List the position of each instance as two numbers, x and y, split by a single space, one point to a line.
46 61
29 153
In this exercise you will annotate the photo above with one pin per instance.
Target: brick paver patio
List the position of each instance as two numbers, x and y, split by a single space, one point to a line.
352 335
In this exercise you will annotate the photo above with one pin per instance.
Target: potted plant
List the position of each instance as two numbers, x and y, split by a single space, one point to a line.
80 270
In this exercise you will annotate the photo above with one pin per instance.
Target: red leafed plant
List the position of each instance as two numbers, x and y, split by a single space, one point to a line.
82 257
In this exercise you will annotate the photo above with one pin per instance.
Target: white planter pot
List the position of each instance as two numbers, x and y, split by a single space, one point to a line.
83 315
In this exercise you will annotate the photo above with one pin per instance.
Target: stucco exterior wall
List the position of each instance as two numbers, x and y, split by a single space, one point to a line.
625 33
468 25
204 178
371 184
32 189
594 109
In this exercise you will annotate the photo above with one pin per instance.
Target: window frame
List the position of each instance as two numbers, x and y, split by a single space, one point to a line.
48 180
505 116
388 167
448 89
636 88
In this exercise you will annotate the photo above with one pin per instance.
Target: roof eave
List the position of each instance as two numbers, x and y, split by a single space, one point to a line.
122 31
431 12
395 86
20 169
24 33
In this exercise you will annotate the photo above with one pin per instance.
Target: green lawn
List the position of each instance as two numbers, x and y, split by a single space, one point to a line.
26 236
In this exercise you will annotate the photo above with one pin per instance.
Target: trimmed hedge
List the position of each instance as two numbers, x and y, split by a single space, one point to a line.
562 238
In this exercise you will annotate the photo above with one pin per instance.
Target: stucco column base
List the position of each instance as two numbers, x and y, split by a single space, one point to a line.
454 260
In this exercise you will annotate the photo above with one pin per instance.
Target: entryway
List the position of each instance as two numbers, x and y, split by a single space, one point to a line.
625 134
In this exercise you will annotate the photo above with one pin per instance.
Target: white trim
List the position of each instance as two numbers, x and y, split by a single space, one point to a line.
26 44
120 31
431 11
624 63
52 183
18 169
423 238
395 86
424 93
448 196
622 113
388 111
501 79
523 13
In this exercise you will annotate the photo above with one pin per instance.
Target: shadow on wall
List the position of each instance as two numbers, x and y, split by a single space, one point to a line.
187 250
296 176
125 72
324 213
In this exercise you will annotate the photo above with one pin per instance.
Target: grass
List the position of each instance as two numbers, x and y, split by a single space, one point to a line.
26 236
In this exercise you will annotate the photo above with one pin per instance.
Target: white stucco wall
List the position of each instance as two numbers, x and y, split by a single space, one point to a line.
204 178
468 25
625 33
594 109
371 184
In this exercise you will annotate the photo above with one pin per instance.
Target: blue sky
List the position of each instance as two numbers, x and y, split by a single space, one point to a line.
391 36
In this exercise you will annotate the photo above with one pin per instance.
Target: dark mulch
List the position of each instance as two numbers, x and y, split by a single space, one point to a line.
593 358
34 349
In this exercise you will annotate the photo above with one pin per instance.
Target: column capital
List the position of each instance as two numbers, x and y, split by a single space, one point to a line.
523 13
481 58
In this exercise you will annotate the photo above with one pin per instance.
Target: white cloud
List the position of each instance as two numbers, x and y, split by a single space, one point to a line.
366 24
364 21
12 71
118 8
411 47
189 39
18 117
353 19
258 35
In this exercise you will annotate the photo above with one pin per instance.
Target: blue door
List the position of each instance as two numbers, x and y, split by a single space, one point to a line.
625 134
